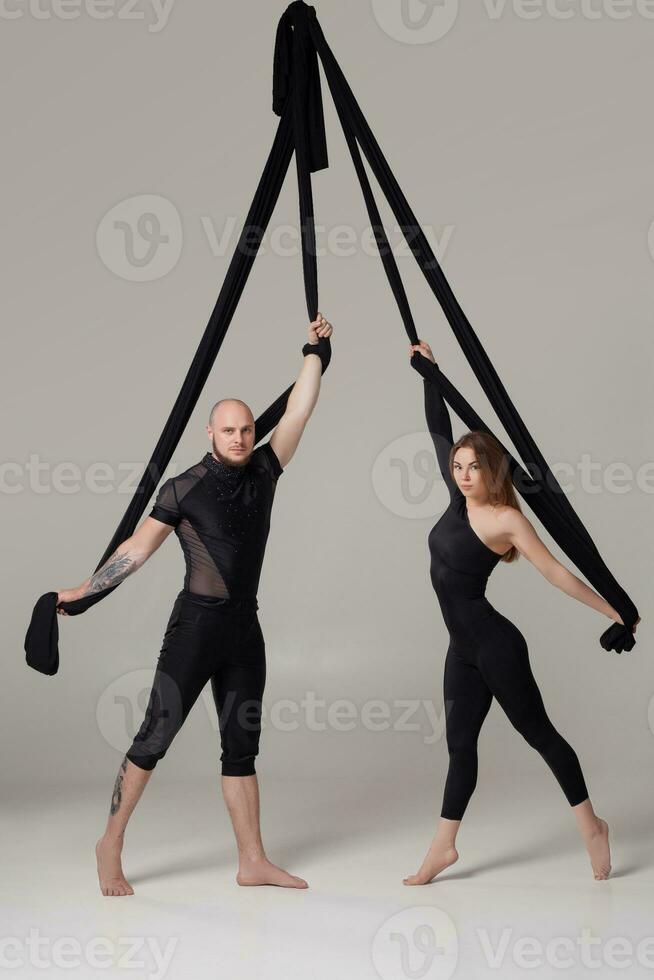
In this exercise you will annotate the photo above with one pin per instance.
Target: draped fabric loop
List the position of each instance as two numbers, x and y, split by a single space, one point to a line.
297 100
295 67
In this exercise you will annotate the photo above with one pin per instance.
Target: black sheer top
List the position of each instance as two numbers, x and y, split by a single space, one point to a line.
221 515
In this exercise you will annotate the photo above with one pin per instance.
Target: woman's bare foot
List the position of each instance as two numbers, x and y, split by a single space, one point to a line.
110 870
597 845
438 858
264 872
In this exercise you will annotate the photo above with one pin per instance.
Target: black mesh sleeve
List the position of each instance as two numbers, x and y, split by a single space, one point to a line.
266 457
166 506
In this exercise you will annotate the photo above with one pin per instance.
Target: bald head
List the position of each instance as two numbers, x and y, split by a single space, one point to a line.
231 431
218 407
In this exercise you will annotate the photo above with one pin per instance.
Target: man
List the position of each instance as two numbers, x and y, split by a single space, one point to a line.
220 510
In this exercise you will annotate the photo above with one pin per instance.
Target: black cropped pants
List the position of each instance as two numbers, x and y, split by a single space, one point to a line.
215 640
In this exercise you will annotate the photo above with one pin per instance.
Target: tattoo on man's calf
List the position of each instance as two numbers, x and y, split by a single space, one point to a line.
117 795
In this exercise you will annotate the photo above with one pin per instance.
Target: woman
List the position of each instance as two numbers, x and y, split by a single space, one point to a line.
487 655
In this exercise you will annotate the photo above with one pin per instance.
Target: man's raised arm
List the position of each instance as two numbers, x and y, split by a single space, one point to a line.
302 398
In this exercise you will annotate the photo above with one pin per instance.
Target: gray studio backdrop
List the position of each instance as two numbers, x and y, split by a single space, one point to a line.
132 149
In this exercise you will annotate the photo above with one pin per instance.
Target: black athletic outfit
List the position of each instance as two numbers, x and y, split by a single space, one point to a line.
487 655
221 515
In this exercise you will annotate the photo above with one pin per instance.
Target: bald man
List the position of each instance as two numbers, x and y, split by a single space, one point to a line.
220 511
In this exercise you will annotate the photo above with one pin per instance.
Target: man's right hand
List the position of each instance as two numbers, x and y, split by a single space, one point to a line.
128 557
68 595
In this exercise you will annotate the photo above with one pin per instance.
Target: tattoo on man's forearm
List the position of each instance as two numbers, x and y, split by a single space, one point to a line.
114 570
117 795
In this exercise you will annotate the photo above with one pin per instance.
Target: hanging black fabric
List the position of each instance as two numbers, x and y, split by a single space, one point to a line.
539 486
543 492
297 100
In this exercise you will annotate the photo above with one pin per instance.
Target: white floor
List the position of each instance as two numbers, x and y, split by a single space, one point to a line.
520 900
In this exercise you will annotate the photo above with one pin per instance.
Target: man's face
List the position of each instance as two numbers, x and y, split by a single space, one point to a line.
232 433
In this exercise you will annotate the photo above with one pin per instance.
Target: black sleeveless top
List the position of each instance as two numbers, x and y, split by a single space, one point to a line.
460 561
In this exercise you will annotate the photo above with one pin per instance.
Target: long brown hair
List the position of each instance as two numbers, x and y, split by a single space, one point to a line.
495 471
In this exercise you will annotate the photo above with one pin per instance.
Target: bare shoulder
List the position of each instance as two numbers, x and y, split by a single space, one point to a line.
511 520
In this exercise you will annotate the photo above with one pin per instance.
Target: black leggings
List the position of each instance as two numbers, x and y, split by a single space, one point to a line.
207 639
501 669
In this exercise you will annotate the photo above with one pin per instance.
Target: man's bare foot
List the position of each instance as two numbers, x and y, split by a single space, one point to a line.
438 858
264 872
597 845
110 870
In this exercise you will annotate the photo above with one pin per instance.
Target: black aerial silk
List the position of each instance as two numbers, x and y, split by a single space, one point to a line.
297 100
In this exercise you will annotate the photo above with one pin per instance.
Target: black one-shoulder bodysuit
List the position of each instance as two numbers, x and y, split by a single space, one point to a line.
487 654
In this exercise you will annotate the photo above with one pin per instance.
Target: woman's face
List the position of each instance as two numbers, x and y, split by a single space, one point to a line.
467 473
